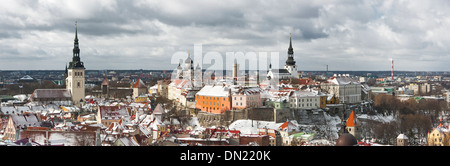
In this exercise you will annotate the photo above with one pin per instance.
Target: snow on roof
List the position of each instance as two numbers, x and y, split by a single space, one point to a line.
28 108
216 91
194 123
51 93
8 110
27 77
342 80
144 130
181 83
128 141
113 112
442 129
70 109
66 138
134 104
287 126
151 122
276 95
28 120
38 108
155 87
280 71
280 93
20 97
248 91
402 136
300 94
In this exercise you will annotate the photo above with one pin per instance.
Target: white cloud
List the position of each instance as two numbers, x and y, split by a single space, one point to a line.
349 35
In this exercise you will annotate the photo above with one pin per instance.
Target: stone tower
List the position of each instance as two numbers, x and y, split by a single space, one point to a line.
76 74
402 140
188 72
198 76
351 126
235 72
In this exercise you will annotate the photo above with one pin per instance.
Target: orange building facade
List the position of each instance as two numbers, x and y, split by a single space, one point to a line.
213 99
212 104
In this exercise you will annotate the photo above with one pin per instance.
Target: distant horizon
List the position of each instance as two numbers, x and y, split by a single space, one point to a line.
228 70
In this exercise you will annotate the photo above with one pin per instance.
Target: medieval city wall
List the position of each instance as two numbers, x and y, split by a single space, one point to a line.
307 117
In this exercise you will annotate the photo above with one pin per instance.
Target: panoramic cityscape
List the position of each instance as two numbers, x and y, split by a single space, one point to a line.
152 73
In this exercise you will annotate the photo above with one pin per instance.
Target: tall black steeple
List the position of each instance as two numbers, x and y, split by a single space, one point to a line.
290 61
76 62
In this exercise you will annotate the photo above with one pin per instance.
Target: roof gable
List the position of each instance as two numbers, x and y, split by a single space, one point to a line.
139 84
51 93
158 110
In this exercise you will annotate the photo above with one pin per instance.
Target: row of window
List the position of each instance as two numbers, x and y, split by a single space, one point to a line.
214 98
211 108
214 104
440 140
248 98
208 97
303 100
76 73
78 84
303 105
209 103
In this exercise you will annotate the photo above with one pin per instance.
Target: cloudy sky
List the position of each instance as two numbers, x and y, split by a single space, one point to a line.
140 34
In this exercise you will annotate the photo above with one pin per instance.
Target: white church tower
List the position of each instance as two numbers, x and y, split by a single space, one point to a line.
188 72
76 75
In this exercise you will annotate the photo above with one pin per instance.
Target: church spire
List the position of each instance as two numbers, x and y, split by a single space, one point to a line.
290 61
76 62
76 49
290 49
76 32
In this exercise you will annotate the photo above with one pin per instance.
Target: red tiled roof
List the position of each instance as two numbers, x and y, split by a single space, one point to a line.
284 125
139 84
351 120
105 81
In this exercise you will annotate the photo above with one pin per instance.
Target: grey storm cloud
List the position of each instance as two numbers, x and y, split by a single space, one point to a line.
145 34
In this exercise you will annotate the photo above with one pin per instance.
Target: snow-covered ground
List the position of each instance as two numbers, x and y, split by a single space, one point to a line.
378 117
251 126
193 122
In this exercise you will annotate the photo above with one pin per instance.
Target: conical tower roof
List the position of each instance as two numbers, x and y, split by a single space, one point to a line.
351 120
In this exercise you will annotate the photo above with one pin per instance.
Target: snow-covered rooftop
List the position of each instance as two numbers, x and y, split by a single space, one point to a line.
216 91
301 94
342 80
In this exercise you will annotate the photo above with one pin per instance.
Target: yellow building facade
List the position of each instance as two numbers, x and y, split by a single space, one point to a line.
439 137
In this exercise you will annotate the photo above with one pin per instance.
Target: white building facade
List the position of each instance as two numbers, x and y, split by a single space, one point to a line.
304 100
347 89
